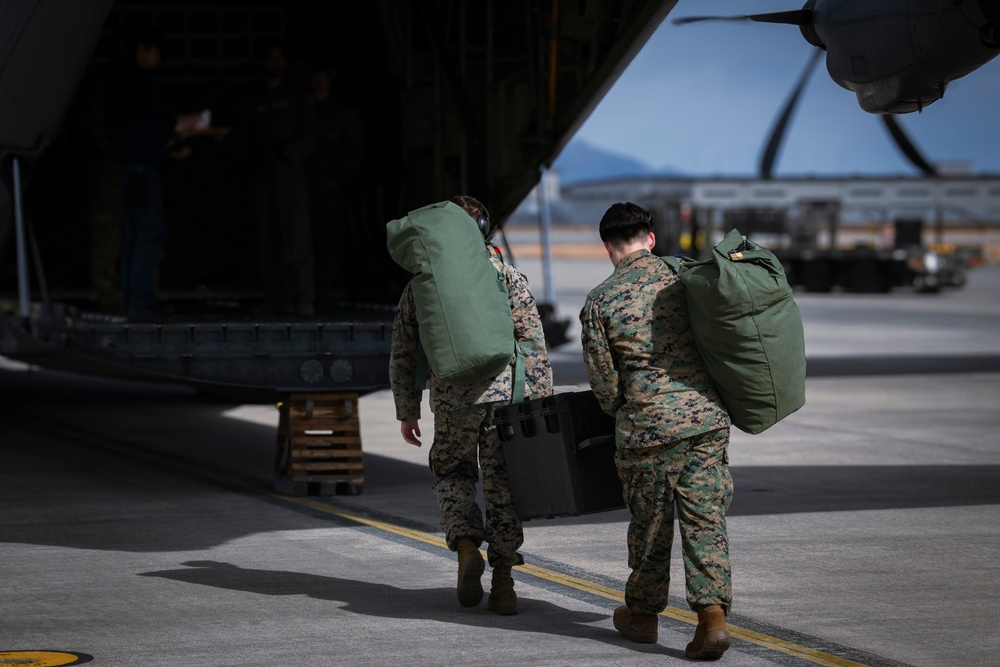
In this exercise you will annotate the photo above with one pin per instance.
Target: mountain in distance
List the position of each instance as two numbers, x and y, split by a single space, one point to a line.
580 161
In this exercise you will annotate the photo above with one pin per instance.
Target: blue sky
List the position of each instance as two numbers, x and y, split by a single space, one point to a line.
701 99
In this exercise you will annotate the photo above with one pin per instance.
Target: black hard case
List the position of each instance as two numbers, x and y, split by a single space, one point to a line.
560 456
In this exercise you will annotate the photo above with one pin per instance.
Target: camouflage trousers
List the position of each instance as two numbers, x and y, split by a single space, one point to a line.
694 474
459 436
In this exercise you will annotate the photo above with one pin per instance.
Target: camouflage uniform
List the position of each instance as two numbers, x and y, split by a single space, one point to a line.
463 423
672 431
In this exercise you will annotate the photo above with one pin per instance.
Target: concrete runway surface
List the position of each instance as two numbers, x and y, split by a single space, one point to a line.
138 525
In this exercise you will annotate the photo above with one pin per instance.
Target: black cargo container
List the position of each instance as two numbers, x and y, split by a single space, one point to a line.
560 454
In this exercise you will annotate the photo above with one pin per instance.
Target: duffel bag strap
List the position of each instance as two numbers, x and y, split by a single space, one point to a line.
517 390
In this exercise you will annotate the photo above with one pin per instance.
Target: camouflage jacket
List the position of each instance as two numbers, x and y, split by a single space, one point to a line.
641 357
446 396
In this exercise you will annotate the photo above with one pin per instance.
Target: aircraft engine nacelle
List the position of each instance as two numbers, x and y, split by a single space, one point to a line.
898 56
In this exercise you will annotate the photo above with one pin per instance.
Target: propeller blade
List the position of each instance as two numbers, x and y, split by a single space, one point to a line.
697 19
770 154
795 17
907 147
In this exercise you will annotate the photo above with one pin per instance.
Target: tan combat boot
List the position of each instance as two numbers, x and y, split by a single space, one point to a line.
638 626
470 569
711 637
503 599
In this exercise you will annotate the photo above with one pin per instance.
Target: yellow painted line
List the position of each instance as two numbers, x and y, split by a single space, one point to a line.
773 643
409 533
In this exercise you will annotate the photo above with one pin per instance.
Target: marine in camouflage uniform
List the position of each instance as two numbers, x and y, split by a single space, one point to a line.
672 430
464 428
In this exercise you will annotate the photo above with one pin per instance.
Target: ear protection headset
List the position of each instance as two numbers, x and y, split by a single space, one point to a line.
484 224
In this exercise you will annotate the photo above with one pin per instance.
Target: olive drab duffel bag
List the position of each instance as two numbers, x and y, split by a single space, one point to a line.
748 329
465 321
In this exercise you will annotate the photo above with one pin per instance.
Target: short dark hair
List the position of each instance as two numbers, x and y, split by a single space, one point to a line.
477 212
623 223
470 205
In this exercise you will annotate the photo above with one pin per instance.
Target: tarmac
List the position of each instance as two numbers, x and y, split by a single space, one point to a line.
139 525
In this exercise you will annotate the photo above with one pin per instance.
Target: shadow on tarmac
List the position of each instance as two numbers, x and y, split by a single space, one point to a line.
385 601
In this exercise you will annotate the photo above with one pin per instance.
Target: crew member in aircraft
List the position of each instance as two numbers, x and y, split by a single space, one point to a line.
466 439
332 168
671 432
141 133
282 134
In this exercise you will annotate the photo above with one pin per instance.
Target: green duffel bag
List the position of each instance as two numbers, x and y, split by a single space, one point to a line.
463 311
748 329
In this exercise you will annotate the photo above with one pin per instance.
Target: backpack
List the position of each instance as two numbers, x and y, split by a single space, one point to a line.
462 304
748 329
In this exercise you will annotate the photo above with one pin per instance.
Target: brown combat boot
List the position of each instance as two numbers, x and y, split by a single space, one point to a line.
711 637
503 599
636 625
470 569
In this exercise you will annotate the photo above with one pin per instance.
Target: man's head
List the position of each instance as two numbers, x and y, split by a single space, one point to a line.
626 228
623 223
146 45
477 212
320 78
272 55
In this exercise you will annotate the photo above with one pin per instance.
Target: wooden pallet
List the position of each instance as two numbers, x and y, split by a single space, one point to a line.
319 445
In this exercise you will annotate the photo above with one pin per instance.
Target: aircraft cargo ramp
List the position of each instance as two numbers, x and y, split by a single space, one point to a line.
257 361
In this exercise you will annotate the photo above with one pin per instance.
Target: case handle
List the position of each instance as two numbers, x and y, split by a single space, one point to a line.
596 441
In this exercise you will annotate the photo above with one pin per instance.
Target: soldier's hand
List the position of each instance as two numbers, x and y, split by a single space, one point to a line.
186 122
411 431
